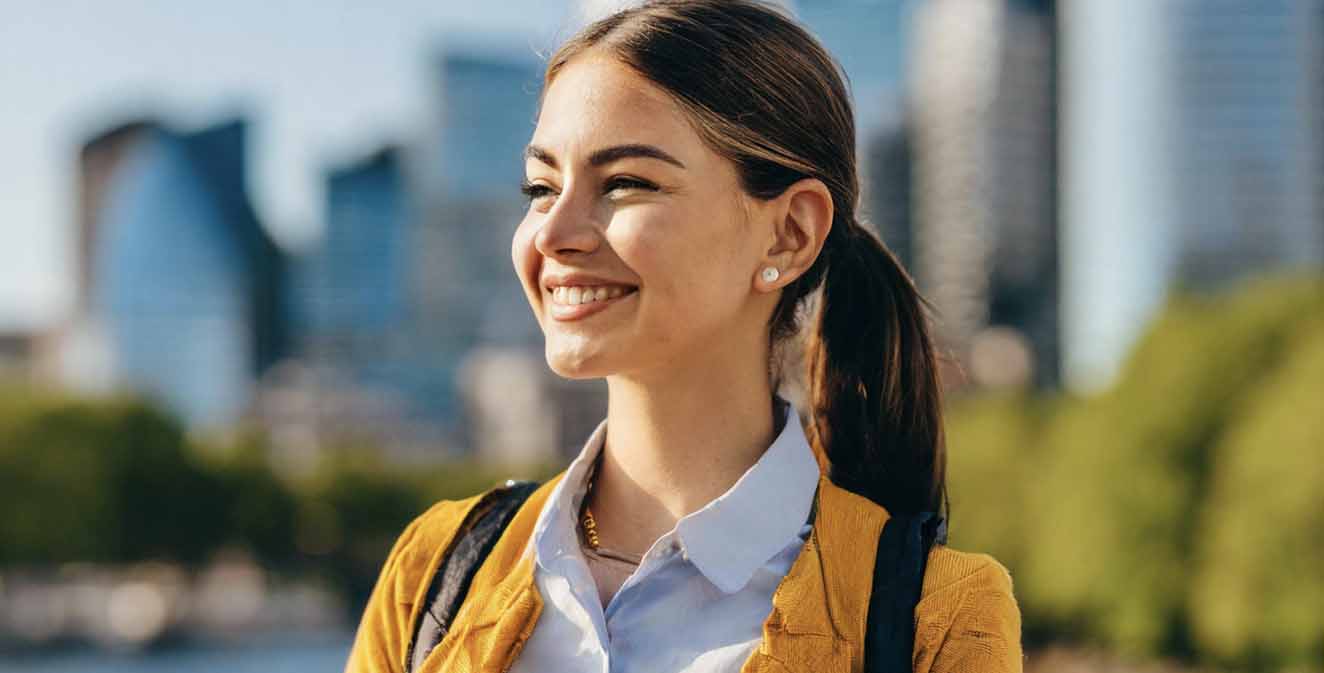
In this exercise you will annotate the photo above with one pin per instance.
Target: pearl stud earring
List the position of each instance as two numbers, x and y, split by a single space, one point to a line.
770 273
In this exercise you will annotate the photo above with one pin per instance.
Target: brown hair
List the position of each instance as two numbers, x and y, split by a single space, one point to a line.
762 92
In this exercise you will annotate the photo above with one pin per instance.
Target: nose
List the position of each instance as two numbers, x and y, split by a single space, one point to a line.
567 229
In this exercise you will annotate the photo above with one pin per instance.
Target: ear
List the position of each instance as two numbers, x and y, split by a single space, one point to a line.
802 217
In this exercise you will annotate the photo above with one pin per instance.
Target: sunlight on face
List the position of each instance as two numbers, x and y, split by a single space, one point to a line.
624 192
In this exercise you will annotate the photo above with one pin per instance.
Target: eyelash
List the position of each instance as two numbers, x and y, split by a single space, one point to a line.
532 191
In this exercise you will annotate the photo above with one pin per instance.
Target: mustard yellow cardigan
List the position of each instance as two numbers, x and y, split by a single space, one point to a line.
967 619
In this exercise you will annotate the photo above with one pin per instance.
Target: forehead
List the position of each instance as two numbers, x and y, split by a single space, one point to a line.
596 101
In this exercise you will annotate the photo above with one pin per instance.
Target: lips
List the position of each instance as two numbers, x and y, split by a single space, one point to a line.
571 294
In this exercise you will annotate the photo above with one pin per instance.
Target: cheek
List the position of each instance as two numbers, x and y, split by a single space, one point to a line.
688 262
525 256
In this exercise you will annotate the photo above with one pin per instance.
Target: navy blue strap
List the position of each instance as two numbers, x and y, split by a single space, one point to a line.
898 575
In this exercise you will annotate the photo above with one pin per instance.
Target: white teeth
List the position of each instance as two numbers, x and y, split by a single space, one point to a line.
576 295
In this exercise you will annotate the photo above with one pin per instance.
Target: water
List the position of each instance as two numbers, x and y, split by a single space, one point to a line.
301 654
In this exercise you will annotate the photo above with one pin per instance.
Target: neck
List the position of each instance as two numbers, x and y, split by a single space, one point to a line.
676 443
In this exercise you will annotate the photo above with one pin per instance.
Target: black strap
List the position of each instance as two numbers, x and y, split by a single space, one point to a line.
470 547
898 575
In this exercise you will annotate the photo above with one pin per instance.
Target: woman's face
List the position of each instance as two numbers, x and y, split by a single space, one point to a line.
628 206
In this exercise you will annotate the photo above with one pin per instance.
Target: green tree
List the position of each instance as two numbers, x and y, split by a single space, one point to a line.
1124 475
1258 598
260 508
109 481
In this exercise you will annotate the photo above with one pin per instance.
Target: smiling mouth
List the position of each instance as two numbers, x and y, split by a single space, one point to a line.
573 303
577 295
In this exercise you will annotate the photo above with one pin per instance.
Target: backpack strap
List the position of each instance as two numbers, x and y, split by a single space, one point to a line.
478 534
898 576
903 549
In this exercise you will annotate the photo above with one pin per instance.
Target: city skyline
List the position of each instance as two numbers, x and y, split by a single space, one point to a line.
1130 228
377 311
92 68
356 78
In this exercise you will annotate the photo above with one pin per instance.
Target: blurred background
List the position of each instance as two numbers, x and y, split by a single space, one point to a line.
257 310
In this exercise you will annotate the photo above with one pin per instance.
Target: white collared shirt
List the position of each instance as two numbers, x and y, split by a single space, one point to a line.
698 599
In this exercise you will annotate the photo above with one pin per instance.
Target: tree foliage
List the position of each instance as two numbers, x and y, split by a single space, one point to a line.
110 481
1127 517
116 480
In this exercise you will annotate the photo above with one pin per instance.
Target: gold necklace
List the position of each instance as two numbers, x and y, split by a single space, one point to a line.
589 526
586 521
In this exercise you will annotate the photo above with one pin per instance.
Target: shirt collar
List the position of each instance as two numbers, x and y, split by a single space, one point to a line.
732 536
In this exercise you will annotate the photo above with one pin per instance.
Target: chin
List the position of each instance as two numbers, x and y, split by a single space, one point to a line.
575 365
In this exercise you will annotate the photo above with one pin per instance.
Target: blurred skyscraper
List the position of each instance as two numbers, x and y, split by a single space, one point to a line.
409 310
180 285
1192 158
1245 138
97 162
888 188
983 109
465 287
414 262
365 373
353 282
485 114
866 37
1313 26
473 309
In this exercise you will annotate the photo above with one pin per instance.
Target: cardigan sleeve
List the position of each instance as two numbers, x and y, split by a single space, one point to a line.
385 629
378 643
977 628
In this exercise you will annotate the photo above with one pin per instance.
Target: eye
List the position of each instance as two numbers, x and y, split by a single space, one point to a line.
623 182
533 191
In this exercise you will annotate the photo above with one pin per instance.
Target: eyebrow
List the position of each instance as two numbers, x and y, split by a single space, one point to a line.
607 154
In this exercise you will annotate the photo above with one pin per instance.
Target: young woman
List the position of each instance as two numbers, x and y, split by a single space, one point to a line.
692 187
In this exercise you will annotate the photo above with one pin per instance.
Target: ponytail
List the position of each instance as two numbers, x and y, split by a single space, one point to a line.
873 381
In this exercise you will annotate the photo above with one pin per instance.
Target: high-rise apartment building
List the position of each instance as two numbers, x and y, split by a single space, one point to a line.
1193 159
181 280
984 113
1245 138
